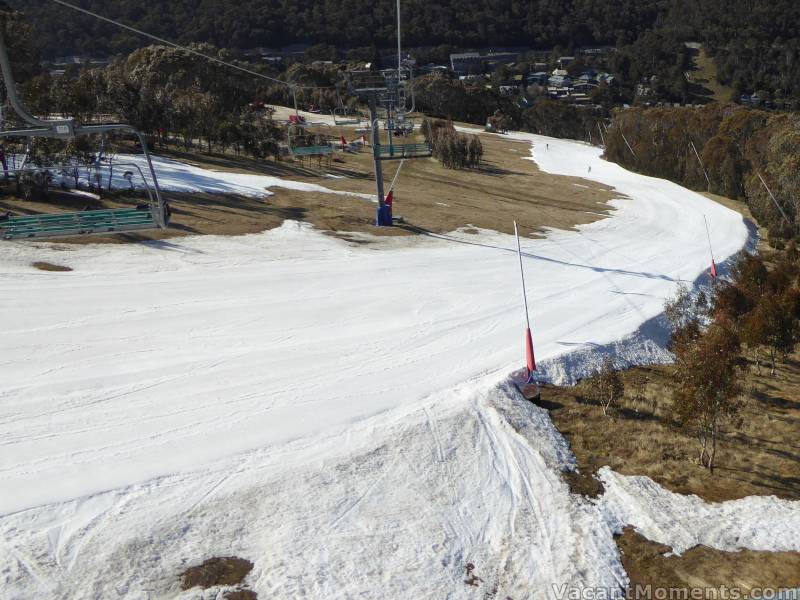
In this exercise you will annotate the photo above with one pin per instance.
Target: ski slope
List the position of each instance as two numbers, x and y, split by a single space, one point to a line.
335 413
176 176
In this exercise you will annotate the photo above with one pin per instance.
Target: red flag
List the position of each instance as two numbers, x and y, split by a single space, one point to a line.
713 269
389 198
529 352
344 143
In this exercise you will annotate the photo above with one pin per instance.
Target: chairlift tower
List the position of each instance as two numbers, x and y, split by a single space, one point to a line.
84 222
389 91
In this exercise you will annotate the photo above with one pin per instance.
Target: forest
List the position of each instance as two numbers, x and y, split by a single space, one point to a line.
729 150
755 44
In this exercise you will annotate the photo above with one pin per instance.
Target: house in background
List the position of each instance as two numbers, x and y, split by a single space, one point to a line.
465 63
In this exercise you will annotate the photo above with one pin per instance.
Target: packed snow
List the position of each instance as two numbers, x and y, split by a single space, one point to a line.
682 522
339 414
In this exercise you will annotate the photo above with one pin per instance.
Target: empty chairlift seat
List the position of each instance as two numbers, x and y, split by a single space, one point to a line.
78 223
405 151
312 150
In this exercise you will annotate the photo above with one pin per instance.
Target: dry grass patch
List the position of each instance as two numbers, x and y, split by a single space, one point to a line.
704 568
760 456
641 437
429 197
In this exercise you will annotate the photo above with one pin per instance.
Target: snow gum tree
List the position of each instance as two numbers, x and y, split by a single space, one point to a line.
707 386
772 324
606 386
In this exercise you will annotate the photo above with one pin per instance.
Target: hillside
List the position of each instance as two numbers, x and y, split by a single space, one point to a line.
753 48
338 413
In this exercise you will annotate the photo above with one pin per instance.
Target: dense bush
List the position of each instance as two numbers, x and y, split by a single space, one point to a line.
453 149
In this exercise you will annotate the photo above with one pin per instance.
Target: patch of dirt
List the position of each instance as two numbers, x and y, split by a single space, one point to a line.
46 266
705 568
584 484
226 570
241 595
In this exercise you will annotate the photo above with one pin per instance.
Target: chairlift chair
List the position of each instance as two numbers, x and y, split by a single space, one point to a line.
154 215
340 117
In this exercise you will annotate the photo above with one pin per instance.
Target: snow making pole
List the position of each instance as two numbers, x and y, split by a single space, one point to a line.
628 145
702 166
529 358
774 200
711 250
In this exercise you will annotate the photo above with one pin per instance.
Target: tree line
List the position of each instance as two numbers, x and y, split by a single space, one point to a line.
174 98
755 45
749 320
756 310
727 150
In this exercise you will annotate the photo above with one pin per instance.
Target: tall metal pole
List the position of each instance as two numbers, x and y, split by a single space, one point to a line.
399 62
389 124
778 206
628 145
708 235
702 166
530 361
522 277
376 157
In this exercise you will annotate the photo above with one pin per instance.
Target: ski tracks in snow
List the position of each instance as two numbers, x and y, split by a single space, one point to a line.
222 399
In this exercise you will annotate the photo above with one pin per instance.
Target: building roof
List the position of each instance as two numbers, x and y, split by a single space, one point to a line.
464 55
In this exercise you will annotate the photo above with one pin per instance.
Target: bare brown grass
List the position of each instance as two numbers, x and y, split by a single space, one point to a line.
759 456
704 569
428 197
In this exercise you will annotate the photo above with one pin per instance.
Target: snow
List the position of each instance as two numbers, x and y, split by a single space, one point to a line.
338 414
682 522
175 176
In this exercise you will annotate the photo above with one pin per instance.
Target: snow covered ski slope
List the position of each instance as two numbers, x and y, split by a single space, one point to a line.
175 176
335 413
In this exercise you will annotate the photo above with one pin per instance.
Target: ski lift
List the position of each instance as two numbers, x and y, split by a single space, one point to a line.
341 116
153 215
400 125
307 145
